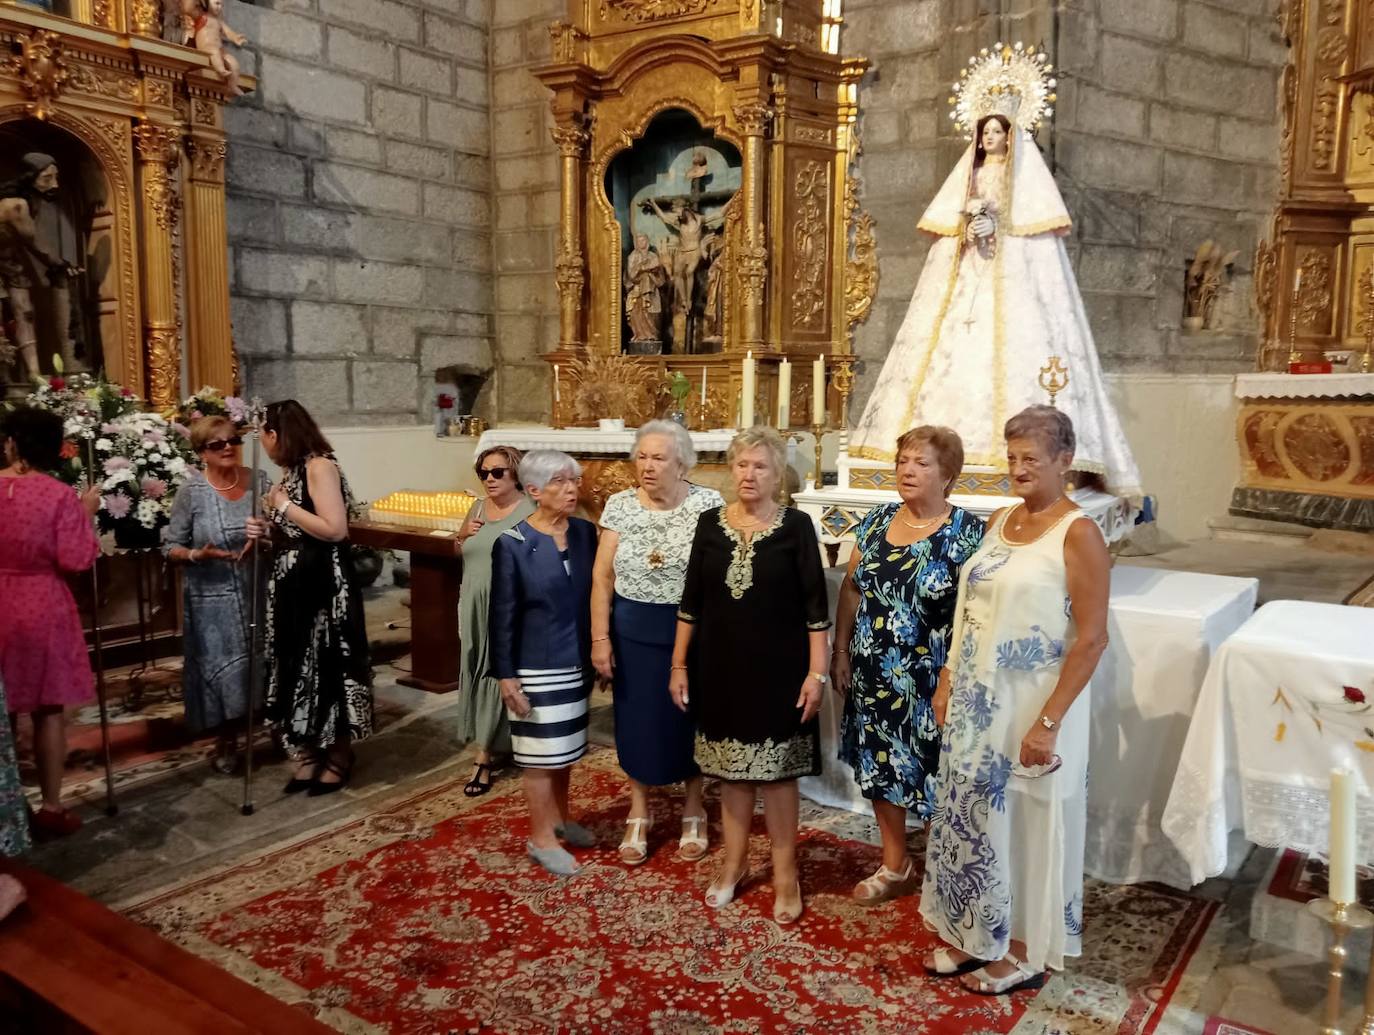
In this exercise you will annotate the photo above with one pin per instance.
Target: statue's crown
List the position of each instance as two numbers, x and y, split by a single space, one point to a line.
1013 81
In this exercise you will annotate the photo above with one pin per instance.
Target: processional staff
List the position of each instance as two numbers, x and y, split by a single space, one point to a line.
256 415
98 644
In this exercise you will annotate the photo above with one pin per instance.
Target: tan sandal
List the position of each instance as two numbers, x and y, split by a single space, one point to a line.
634 847
693 844
885 884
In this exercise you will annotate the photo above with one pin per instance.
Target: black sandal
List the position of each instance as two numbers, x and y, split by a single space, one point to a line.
344 772
475 788
301 783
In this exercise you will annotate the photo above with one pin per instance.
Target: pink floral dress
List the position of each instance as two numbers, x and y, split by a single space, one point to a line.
44 534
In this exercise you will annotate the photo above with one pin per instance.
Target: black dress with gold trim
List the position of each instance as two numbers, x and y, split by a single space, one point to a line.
753 601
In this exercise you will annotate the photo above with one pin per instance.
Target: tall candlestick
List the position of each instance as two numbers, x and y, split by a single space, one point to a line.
555 383
784 395
746 403
1342 845
818 391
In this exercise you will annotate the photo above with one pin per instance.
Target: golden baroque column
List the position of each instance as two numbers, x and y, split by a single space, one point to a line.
752 266
571 136
211 359
159 159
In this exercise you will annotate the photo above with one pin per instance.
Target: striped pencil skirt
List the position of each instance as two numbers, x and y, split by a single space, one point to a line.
554 733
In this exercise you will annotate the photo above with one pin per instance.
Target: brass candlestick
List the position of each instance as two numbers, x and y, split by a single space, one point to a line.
1342 918
1054 377
1366 359
818 430
843 380
1294 356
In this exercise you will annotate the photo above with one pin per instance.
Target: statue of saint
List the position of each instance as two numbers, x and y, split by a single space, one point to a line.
23 261
713 248
995 300
645 275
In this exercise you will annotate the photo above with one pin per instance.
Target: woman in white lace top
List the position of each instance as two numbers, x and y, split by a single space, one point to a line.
646 539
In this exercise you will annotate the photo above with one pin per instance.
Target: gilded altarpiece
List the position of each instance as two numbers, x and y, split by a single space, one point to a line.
145 115
766 81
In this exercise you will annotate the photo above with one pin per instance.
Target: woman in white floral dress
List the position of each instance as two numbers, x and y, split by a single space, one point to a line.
1003 885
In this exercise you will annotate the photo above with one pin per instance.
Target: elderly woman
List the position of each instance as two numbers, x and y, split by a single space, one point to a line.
540 629
207 536
750 659
481 715
646 537
319 681
892 639
47 535
1004 863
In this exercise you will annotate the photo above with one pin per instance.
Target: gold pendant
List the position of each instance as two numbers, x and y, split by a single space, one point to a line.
656 560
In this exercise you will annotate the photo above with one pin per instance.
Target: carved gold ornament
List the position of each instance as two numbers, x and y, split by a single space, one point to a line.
1316 447
1314 294
612 385
1012 81
809 251
164 363
41 69
861 266
653 10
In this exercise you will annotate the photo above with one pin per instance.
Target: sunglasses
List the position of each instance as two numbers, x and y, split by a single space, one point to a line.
493 472
219 445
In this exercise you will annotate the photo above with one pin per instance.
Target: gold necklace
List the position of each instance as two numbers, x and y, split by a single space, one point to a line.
753 522
918 525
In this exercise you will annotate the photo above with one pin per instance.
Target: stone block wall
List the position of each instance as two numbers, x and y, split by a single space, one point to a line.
359 202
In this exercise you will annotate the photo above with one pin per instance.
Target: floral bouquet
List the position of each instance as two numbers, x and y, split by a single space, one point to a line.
141 461
208 402
978 207
84 403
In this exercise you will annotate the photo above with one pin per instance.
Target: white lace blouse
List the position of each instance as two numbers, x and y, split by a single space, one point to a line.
651 556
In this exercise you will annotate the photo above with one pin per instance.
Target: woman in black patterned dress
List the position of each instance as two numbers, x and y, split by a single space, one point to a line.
319 681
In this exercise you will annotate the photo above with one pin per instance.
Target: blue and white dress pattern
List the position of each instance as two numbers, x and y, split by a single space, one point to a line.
899 644
1004 860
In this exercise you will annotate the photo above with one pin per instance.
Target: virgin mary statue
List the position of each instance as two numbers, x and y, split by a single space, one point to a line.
995 301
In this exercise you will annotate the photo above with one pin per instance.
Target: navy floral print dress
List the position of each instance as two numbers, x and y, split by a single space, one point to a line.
899 644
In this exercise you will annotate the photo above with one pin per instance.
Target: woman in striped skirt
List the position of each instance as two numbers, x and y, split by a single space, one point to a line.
540 631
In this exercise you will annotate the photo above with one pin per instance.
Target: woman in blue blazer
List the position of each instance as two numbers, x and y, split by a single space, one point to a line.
540 632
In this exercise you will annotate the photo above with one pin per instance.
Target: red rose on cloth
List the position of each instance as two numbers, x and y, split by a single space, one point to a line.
1354 695
57 383
125 393
445 401
68 450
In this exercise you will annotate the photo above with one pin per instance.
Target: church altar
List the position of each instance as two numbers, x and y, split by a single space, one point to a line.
1283 704
1164 627
1306 449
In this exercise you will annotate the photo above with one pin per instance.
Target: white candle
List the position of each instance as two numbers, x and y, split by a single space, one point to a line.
703 387
818 391
784 395
555 382
746 404
1341 853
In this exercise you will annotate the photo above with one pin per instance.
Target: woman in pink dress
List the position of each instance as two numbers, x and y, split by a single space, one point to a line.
45 532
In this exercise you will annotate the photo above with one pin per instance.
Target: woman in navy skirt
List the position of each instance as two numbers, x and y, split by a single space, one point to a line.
636 586
540 631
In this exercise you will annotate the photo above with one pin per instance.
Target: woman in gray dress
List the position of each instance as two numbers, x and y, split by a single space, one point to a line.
206 536
481 715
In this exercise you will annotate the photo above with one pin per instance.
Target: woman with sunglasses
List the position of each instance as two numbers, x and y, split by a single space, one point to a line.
207 537
481 714
319 680
1003 884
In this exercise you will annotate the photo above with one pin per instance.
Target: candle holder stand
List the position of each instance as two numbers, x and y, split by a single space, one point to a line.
1342 918
818 430
843 380
1366 360
1294 356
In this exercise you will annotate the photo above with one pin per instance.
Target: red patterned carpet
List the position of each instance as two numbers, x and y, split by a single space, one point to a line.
429 918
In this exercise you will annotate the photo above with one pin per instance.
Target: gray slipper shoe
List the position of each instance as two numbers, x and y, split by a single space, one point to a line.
556 860
575 834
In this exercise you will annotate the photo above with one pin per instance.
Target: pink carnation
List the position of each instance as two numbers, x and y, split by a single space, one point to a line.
238 409
109 429
117 463
154 488
117 505
181 429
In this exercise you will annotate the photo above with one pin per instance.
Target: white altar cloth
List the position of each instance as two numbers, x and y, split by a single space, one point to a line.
1283 704
590 440
1164 627
1303 386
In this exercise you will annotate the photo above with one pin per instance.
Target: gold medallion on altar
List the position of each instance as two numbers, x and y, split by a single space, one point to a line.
656 560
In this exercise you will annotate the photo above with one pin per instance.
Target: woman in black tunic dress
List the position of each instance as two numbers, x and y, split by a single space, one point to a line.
750 660
319 681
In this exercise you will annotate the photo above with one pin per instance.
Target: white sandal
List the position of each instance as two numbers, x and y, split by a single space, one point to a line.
1020 979
692 846
636 841
885 884
720 895
945 965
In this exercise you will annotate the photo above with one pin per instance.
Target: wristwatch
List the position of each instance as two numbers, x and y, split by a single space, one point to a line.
1047 722
819 678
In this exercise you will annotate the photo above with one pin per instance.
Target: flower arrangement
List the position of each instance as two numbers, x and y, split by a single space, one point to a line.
208 402
141 461
84 403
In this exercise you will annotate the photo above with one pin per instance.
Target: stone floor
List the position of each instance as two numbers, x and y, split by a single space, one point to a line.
190 822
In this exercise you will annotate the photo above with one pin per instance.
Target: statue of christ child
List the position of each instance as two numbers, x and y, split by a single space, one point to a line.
209 30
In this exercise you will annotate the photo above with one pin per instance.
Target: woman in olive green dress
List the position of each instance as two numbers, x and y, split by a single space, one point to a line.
481 714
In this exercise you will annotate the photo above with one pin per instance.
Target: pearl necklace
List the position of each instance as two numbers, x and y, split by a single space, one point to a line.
224 488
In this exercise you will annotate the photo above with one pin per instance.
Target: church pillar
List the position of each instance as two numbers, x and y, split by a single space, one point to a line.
159 159
572 137
753 258
211 359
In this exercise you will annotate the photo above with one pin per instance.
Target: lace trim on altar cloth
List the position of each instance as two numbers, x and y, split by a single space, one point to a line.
1195 821
1279 815
730 759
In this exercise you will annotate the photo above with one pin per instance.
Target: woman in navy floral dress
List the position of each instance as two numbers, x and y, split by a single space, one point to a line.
892 635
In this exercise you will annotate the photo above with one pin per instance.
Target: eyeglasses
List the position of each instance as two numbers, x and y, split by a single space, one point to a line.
493 472
219 445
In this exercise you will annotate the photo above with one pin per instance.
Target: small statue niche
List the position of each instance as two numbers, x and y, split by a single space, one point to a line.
1207 272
